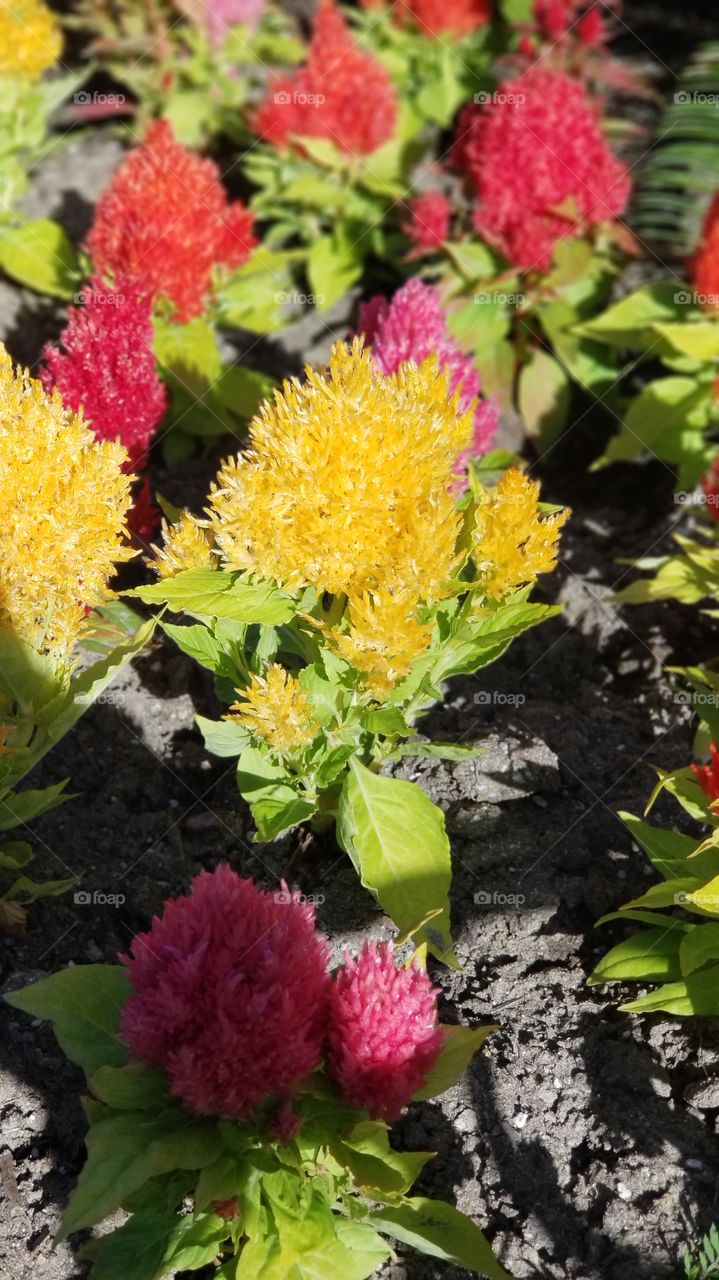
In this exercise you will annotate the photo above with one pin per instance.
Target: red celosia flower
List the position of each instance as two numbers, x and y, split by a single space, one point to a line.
433 17
107 366
591 28
553 17
428 223
707 775
229 994
384 1037
166 217
705 272
413 326
341 93
143 518
537 160
710 485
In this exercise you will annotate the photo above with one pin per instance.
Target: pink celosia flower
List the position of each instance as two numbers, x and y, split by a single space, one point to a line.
341 93
229 994
538 163
107 367
222 15
428 222
384 1037
591 28
413 326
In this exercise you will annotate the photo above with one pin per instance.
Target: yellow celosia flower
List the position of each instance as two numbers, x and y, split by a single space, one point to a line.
383 641
30 39
512 543
276 709
63 501
185 545
346 484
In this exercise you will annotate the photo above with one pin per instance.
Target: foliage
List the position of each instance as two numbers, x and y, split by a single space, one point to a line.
704 1264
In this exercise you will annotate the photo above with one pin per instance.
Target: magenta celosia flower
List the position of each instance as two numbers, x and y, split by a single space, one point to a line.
384 1037
413 326
107 368
229 994
221 15
537 161
427 225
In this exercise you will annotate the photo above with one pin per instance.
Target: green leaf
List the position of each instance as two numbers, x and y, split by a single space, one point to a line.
700 340
437 1228
544 397
649 956
21 807
699 945
15 854
124 1151
667 850
632 321
698 995
387 721
25 675
396 839
198 643
29 891
212 593
199 1243
334 263
660 406
39 254
132 1088
84 1005
373 1163
474 259
441 750
276 805
224 738
138 1248
459 1047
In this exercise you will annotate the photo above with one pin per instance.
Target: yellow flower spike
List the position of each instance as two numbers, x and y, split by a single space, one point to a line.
513 544
64 498
30 39
383 641
185 545
276 709
346 483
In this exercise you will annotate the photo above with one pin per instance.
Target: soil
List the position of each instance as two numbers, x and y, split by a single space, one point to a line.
584 1139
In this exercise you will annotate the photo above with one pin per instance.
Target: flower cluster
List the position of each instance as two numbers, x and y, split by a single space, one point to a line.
185 545
64 498
341 93
166 219
705 267
513 544
555 18
707 775
107 367
435 17
231 998
413 326
30 39
427 223
537 162
275 709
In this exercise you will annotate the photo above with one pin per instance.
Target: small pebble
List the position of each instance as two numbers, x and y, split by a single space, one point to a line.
520 1119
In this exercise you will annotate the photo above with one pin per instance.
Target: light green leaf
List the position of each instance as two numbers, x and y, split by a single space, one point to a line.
198 643
373 1163
276 805
700 340
437 1228
39 254
84 1005
224 738
138 1248
22 807
459 1047
15 854
28 891
396 839
632 321
334 263
699 945
698 995
441 750
649 956
212 593
544 397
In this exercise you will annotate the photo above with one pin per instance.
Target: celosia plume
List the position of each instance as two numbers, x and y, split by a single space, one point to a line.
384 638
185 545
107 366
705 268
513 542
229 994
536 159
275 708
710 485
64 497
413 326
166 219
384 1037
434 17
341 93
30 39
427 225
707 775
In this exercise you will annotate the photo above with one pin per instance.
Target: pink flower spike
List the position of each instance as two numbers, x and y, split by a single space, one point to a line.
384 1037
229 994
